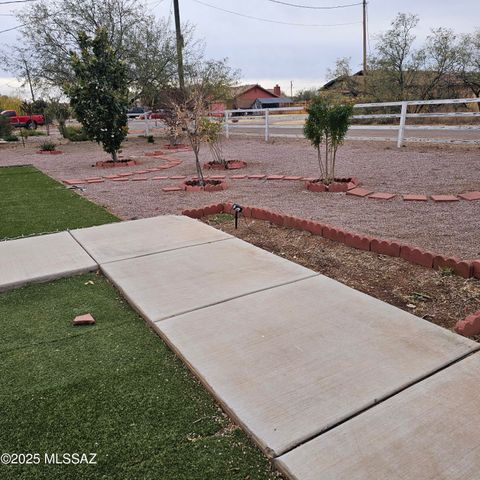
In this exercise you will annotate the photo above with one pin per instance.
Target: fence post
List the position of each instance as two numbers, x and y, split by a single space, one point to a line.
147 130
267 133
227 131
401 128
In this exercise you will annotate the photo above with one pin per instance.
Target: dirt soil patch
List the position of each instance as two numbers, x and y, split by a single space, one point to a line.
439 298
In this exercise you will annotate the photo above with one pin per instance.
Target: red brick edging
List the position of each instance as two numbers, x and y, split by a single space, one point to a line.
470 326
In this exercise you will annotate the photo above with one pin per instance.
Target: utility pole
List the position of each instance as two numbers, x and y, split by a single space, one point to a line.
180 45
291 88
364 37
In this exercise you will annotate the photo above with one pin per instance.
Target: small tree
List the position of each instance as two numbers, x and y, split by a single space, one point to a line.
207 82
99 91
327 124
59 112
212 135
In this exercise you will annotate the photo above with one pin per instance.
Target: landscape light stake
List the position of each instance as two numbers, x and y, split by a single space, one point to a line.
237 209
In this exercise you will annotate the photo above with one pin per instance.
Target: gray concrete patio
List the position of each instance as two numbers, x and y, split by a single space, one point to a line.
330 382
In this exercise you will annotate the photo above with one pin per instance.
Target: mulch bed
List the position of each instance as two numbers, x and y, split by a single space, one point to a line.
440 299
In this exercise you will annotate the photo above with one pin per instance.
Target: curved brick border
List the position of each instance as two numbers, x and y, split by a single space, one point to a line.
110 164
207 188
338 185
231 165
49 152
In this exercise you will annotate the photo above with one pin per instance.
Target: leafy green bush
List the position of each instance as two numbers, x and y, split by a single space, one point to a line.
48 147
5 127
75 134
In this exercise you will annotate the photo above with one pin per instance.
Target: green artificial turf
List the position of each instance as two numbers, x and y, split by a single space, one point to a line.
113 389
33 203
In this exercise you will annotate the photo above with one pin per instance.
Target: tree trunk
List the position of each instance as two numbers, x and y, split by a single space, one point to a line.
114 156
320 164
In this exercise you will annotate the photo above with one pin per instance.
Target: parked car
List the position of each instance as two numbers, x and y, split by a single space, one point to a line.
136 112
28 121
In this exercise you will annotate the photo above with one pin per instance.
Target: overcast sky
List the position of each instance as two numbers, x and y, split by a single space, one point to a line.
270 53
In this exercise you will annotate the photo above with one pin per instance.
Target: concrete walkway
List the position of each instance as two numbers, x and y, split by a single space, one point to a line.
331 383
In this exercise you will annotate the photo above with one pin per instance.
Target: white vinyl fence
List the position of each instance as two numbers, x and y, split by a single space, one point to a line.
266 120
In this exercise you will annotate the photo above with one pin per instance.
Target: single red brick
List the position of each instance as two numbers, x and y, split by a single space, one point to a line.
337 187
86 319
476 268
415 198
359 242
139 179
110 177
217 177
292 178
172 189
227 207
470 326
92 178
444 198
359 192
213 209
177 177
140 172
277 219
74 181
316 187
121 179
462 268
247 212
315 228
238 177
417 256
382 196
160 178
309 179
470 196
333 233
256 177
95 181
385 247
127 174
351 186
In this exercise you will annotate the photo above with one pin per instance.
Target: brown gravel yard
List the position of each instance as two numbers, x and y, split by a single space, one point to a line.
451 228
439 298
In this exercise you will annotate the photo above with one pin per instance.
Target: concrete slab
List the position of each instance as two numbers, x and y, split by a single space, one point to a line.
178 281
292 361
427 432
41 258
118 241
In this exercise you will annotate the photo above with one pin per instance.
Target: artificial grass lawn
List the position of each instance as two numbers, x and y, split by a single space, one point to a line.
114 389
32 203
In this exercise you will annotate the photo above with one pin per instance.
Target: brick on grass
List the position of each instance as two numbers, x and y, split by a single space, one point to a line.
85 319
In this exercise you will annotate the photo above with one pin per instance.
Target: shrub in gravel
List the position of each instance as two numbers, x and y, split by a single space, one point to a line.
326 127
48 147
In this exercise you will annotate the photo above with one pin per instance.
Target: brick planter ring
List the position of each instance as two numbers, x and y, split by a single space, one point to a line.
111 164
211 186
49 152
231 165
338 185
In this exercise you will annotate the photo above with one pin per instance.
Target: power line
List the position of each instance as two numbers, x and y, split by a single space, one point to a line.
315 8
17 1
275 21
13 28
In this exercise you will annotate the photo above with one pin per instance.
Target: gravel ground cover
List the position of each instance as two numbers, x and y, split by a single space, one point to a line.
450 228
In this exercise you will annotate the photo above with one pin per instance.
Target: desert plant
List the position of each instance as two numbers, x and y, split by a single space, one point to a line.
25 132
212 134
99 92
11 138
327 125
48 147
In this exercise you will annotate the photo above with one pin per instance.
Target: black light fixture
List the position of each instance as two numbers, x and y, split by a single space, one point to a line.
237 209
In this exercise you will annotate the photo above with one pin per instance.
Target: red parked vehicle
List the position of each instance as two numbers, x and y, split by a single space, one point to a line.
28 121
